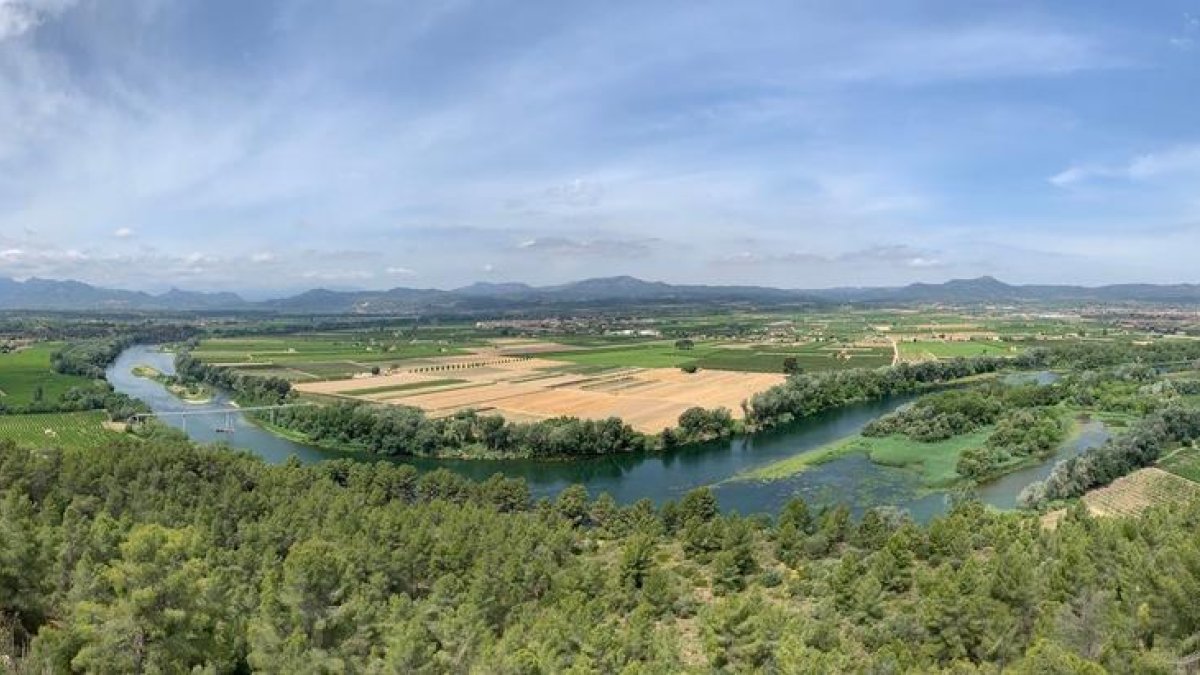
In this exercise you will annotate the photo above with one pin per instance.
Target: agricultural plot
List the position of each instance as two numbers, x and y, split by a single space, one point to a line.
1132 494
300 349
926 350
408 386
771 360
649 399
1184 462
318 356
24 372
745 357
64 430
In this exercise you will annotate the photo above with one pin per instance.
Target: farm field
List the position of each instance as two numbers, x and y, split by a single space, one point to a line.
748 357
1184 462
938 349
648 399
316 356
408 386
74 430
23 371
1132 494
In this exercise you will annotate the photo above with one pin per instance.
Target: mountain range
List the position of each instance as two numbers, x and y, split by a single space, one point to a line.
481 297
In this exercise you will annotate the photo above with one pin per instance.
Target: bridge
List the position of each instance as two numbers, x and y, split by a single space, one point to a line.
228 414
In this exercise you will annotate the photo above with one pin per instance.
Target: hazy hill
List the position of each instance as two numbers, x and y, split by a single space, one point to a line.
48 294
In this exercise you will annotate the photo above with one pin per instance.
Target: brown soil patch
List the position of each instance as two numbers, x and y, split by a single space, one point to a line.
649 399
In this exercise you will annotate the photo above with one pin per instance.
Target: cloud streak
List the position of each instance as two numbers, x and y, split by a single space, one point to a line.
187 144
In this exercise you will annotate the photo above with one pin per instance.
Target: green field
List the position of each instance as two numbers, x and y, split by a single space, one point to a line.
719 356
1183 462
319 355
408 386
23 371
294 349
947 350
74 430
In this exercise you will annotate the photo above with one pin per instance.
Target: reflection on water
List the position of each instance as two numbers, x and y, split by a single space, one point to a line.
628 478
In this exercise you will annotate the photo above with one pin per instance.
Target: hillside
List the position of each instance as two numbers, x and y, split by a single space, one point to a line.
46 294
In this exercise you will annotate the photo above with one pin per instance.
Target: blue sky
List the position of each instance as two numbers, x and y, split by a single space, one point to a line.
272 146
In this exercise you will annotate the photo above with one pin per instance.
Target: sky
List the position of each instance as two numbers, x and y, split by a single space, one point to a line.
267 147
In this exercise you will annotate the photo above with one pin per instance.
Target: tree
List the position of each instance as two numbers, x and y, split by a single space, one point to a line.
572 504
305 614
685 343
637 560
157 609
22 583
689 368
698 505
727 577
791 366
738 633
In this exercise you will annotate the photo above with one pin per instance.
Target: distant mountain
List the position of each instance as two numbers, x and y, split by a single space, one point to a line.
74 295
483 297
484 289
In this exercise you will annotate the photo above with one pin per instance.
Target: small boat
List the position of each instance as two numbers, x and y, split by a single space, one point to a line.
224 430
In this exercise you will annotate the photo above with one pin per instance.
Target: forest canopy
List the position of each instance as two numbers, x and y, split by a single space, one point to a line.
157 556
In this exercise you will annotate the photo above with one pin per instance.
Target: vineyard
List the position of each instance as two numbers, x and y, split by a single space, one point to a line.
75 430
1132 494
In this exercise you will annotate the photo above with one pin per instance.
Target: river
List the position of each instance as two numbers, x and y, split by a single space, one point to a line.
658 476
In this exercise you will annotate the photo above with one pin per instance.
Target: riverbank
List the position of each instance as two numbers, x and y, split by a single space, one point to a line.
367 454
627 477
193 393
935 463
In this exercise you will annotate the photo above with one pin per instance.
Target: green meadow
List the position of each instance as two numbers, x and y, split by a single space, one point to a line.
22 372
934 462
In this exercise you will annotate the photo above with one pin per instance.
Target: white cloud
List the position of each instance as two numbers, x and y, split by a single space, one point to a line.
1179 159
1186 40
972 52
891 256
21 16
566 246
337 275
262 257
401 271
123 232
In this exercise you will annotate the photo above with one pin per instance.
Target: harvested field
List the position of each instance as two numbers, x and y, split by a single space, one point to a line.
649 399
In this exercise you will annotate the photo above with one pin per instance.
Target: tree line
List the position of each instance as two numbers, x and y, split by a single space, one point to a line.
803 395
160 556
1138 447
393 430
246 388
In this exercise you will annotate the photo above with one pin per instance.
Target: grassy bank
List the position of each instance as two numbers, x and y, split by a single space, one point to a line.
934 461
189 393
